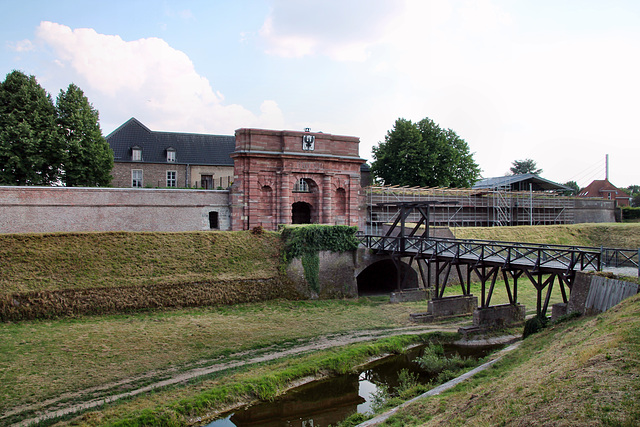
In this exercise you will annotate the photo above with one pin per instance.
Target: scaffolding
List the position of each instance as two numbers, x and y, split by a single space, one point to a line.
470 208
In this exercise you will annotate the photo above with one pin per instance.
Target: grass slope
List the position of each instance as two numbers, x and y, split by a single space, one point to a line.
578 373
609 235
49 261
44 359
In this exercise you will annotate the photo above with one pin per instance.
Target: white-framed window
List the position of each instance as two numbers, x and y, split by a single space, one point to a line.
171 155
171 179
301 186
136 178
136 154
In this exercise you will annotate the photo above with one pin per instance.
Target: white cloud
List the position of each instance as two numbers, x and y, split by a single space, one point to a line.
148 79
21 46
340 30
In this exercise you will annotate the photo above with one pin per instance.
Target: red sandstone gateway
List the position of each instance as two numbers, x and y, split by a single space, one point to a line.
287 177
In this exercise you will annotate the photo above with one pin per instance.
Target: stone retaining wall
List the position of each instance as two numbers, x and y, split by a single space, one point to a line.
62 209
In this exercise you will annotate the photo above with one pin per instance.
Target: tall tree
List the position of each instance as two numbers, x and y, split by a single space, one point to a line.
520 167
30 142
88 158
423 154
575 188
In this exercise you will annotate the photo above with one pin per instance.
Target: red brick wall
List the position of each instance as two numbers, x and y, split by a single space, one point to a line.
269 163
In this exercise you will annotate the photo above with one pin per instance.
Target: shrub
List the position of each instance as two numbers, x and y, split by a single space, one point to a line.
534 325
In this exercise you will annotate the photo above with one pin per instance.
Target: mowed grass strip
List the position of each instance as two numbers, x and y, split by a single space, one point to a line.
527 293
578 373
43 359
609 235
51 261
208 397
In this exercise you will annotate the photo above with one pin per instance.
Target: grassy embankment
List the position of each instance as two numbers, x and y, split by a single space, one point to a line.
610 235
44 359
76 261
584 372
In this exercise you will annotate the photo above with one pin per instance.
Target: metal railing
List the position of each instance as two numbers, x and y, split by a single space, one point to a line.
509 254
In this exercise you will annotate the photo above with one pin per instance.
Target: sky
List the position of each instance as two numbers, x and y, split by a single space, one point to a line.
556 81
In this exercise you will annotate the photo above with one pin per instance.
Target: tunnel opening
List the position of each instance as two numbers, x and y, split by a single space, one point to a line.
381 278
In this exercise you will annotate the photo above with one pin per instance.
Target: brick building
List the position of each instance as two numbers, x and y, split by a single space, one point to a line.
287 177
602 188
279 177
146 158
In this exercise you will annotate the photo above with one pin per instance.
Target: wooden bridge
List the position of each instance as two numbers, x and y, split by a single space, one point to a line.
541 264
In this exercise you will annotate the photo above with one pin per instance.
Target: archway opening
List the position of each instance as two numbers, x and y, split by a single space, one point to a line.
301 213
382 278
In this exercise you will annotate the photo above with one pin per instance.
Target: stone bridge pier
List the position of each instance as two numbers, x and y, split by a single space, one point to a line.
356 273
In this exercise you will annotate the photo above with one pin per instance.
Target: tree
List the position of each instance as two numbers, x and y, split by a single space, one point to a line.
31 146
575 188
634 192
88 159
422 154
521 167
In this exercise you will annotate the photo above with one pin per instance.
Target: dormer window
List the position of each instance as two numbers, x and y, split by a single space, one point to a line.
171 155
136 154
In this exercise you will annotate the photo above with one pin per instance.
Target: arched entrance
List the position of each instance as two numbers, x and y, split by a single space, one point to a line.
382 278
301 213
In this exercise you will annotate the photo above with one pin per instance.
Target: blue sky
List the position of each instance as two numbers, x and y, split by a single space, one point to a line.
555 81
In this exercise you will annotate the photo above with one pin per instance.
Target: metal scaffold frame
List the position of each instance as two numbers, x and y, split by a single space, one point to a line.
470 208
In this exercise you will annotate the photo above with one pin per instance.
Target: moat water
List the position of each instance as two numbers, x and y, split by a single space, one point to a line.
327 402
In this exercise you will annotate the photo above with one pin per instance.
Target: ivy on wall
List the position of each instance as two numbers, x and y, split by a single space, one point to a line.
314 238
306 241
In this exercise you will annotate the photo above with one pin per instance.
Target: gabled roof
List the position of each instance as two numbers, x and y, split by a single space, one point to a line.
603 188
191 148
522 182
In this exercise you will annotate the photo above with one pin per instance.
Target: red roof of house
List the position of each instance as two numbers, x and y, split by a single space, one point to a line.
604 189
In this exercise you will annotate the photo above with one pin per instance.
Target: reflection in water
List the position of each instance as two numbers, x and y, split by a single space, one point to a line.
330 401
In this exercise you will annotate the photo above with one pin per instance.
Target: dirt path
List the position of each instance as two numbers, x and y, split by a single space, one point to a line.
97 396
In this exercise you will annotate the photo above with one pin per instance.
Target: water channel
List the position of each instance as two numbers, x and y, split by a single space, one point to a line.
327 402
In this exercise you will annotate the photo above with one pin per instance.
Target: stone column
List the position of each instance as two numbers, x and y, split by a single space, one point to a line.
327 200
284 202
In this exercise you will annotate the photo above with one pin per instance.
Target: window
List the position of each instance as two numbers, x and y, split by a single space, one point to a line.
171 179
171 155
206 182
136 178
301 186
136 154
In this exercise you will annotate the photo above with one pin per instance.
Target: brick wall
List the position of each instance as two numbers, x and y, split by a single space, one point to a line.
54 209
268 166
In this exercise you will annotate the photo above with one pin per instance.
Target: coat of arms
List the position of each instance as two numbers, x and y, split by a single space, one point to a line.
308 142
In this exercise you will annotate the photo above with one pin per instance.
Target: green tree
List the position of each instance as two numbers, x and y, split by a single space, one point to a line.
634 192
423 154
31 146
575 188
520 167
88 158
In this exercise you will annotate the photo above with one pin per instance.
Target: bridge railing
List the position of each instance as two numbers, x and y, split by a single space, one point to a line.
620 258
559 257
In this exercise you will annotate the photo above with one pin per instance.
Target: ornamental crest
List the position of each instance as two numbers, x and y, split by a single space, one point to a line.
308 142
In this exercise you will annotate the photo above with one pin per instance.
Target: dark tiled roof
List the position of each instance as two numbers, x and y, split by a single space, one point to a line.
519 183
195 149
